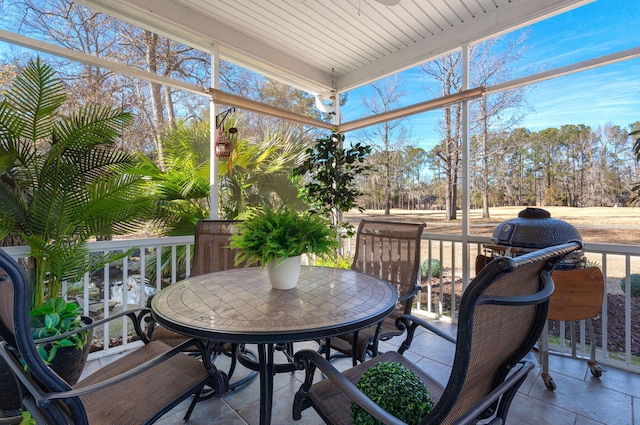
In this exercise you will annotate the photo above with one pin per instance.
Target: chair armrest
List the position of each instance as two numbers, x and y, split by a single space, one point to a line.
311 359
411 294
177 350
411 323
18 370
43 398
135 314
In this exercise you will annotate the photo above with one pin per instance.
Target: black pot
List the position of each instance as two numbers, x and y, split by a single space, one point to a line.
70 361
9 395
534 228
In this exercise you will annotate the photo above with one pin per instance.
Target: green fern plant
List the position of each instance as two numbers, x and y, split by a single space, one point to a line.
266 235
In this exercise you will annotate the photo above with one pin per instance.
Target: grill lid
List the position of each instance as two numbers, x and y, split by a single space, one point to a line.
534 228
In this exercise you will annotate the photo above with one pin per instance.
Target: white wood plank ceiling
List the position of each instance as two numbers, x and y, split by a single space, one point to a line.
330 45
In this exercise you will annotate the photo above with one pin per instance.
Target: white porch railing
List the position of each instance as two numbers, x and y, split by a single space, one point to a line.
619 264
121 283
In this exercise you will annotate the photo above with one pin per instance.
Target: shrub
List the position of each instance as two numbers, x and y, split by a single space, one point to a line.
397 390
635 284
338 262
435 268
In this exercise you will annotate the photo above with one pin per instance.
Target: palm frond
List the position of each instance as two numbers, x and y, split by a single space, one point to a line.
90 126
36 95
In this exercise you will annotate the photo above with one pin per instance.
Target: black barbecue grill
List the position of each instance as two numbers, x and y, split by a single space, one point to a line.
534 229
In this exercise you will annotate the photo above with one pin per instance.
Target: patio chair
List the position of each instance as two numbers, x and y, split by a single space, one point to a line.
391 251
211 254
211 248
117 393
502 314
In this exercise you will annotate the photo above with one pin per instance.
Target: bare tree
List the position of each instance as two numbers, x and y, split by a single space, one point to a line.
447 72
389 137
82 29
491 65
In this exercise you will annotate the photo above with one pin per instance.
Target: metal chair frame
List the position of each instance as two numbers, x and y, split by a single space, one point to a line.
502 314
52 400
391 251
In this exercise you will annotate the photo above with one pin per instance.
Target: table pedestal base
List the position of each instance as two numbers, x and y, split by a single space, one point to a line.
266 370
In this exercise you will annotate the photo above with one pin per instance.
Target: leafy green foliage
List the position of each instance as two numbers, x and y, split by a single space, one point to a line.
63 180
436 268
635 284
56 317
337 262
27 419
267 235
331 171
397 390
261 175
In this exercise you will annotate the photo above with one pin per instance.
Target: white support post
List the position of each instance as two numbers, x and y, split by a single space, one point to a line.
337 118
466 269
214 180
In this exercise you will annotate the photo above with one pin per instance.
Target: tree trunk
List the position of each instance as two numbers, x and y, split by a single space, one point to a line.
156 96
170 111
485 160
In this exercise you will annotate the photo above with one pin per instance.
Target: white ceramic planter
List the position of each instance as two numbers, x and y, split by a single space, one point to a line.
284 275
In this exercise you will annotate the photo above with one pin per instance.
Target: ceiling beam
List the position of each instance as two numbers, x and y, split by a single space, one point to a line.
412 109
52 49
229 99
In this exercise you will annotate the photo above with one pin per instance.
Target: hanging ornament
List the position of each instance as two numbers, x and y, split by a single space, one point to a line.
223 145
225 140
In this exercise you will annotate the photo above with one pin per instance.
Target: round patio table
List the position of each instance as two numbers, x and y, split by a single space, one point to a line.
239 306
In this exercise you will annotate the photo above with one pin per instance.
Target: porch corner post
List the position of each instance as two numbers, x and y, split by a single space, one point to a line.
214 179
466 263
337 120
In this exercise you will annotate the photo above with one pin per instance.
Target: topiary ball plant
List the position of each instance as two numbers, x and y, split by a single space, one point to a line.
435 268
397 390
635 284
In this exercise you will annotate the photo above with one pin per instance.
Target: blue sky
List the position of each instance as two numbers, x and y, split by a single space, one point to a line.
610 94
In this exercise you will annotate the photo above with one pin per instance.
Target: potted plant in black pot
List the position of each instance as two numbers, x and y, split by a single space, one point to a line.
276 239
63 181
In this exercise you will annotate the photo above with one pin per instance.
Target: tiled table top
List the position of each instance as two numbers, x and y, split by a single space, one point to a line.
239 305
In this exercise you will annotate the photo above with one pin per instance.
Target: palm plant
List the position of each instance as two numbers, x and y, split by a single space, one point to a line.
182 188
262 176
259 176
63 180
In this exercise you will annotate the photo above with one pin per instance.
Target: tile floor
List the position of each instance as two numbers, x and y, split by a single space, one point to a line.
579 399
